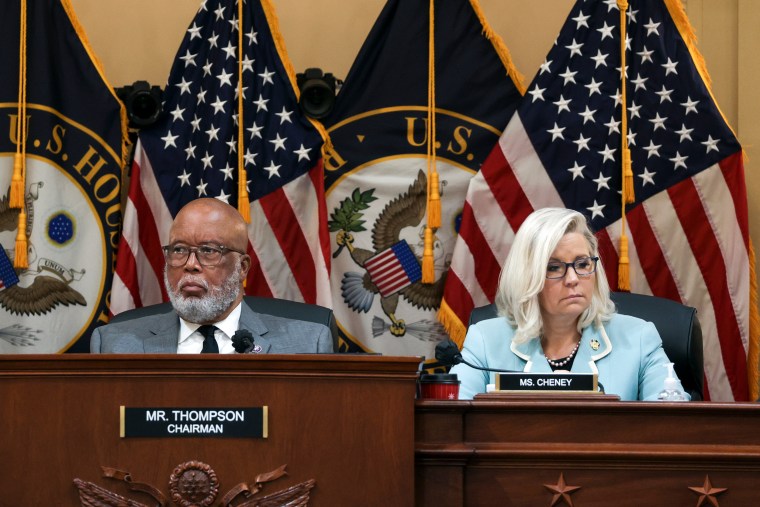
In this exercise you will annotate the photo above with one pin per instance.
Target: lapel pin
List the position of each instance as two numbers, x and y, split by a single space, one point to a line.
595 344
257 349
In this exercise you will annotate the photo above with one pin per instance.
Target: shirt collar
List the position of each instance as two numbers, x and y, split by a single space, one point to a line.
228 326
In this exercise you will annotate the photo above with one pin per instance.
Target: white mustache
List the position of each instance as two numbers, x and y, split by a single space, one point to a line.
187 279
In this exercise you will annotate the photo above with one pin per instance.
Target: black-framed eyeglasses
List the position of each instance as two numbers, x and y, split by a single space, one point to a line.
208 255
583 267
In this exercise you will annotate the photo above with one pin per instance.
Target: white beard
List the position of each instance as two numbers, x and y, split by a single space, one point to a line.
212 305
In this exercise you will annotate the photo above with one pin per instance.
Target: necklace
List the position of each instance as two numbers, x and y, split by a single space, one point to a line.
558 363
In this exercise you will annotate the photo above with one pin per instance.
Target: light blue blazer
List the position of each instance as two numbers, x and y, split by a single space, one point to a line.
626 354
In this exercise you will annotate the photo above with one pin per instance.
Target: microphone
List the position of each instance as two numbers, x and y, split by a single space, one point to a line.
242 340
448 354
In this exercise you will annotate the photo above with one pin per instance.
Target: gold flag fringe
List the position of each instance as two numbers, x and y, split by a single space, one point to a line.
753 354
500 47
446 315
678 13
125 142
456 328
279 43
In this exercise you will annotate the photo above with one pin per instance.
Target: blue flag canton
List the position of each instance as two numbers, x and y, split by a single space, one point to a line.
8 276
408 261
572 109
193 150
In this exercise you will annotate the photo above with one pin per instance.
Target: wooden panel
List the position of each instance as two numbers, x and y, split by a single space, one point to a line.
502 450
327 416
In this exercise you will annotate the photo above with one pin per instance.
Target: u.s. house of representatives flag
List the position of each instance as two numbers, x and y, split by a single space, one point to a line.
687 230
193 152
377 177
74 152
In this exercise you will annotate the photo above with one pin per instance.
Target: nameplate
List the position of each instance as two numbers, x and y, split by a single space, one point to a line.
532 382
184 422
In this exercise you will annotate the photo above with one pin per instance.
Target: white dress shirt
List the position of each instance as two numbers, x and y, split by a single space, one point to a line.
191 341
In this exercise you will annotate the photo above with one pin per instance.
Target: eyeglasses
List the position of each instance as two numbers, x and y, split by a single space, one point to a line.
207 255
583 267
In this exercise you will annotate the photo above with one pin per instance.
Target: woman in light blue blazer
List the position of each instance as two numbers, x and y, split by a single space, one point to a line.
555 314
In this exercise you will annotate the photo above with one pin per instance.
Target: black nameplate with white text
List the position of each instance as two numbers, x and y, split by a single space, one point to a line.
184 422
532 382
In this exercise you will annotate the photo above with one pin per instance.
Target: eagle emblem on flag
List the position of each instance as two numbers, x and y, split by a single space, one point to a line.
393 269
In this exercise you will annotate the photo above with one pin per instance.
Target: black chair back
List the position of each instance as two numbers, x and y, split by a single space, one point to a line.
268 306
677 324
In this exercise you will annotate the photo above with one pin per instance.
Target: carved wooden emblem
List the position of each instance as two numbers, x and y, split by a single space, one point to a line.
195 484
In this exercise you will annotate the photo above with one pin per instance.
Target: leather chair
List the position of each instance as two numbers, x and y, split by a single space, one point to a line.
269 306
677 324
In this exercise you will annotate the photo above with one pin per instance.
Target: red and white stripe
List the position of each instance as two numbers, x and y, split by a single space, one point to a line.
288 242
387 272
689 243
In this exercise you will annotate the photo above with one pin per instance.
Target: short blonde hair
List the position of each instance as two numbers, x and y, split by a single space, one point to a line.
524 273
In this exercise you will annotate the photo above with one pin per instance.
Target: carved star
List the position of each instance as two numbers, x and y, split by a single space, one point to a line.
708 493
561 491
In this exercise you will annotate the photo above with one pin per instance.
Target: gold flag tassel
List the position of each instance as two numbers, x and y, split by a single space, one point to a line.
624 271
627 194
244 205
433 195
21 259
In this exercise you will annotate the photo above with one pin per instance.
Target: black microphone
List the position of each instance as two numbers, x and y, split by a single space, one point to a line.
448 354
242 340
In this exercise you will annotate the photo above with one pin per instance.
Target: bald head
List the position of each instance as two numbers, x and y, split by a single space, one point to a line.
209 220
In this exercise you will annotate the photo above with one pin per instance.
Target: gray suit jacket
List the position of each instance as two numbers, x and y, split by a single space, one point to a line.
158 334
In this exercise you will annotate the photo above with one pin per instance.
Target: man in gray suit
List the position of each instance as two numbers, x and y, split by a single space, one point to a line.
206 266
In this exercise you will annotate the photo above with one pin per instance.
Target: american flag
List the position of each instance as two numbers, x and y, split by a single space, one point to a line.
192 152
394 268
688 228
